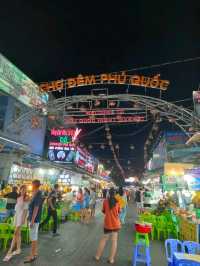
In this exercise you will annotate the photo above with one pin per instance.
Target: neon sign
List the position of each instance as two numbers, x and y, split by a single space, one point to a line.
66 133
101 120
105 112
121 78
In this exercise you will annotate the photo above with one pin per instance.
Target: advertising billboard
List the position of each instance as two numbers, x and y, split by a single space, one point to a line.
15 83
62 147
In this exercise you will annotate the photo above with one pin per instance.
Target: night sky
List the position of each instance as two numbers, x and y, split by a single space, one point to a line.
49 40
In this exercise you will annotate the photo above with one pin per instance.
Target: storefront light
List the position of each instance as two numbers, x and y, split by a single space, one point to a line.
51 171
15 168
41 171
187 178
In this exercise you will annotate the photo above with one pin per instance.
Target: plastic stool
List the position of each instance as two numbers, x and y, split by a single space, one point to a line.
138 256
142 238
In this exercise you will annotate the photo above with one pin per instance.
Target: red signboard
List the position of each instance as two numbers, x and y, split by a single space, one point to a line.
105 112
101 120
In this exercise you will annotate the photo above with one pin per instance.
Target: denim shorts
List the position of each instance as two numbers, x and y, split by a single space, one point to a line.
34 232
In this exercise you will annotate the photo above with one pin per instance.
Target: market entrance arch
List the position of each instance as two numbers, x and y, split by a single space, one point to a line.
82 110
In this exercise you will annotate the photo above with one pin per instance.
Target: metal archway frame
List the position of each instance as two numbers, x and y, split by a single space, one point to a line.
185 119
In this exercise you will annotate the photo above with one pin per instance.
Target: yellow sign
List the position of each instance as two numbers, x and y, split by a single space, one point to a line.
176 169
121 78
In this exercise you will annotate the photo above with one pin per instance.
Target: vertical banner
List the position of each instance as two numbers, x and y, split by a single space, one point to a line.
196 100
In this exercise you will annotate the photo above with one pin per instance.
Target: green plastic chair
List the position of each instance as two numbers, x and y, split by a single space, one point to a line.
161 227
142 238
25 230
5 234
149 218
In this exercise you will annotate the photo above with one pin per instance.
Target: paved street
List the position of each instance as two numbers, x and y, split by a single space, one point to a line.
77 244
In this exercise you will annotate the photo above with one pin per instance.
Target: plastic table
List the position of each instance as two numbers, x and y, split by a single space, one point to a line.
184 259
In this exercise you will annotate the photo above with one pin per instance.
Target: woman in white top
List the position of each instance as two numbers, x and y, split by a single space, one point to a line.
21 210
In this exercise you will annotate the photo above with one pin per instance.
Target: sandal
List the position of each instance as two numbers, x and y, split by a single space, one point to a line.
7 258
111 261
16 252
96 259
30 259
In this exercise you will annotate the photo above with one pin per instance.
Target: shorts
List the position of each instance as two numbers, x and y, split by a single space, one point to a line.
139 205
109 231
34 232
93 206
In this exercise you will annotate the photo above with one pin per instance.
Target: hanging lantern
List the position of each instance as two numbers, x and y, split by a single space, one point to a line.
132 147
107 128
112 103
1 147
151 136
109 136
97 103
172 119
117 146
82 108
102 146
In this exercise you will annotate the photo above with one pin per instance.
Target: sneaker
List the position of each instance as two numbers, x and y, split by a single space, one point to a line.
55 234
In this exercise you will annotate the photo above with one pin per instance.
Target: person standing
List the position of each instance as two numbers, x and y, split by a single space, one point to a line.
138 200
86 205
35 211
11 201
52 212
123 204
111 210
93 199
21 210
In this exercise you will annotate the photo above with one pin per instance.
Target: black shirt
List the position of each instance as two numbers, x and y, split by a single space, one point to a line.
138 196
11 200
53 196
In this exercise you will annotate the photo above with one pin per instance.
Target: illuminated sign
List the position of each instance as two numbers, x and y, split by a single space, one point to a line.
15 83
120 78
101 120
62 144
105 112
73 133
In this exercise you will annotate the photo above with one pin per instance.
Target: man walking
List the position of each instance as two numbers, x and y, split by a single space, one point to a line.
51 202
35 211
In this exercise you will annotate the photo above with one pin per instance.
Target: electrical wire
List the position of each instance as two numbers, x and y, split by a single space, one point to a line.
135 133
92 132
192 59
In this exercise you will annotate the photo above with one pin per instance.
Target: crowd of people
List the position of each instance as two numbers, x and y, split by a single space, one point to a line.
30 209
